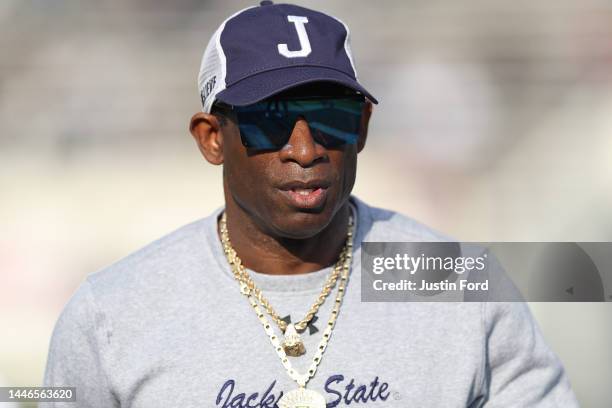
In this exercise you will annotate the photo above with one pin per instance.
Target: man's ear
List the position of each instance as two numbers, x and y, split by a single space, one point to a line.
363 129
206 130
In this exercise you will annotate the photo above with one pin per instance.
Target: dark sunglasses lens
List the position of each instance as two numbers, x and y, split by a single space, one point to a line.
268 124
335 122
262 128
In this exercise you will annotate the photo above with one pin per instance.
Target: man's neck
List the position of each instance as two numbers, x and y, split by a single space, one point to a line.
263 253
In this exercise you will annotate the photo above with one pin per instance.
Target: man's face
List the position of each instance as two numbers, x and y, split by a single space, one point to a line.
295 191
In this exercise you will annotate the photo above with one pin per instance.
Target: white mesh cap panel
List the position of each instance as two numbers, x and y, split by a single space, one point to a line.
211 79
347 45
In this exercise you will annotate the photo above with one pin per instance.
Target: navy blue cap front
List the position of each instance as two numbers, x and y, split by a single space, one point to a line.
273 47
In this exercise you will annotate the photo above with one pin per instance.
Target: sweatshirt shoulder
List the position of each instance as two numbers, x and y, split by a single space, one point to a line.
153 264
386 225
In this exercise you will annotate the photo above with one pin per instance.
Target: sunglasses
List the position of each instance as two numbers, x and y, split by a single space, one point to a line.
267 125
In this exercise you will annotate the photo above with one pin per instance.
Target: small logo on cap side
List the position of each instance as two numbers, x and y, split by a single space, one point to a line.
209 86
299 22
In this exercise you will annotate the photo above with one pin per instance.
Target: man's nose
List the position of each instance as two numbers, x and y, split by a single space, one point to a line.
301 146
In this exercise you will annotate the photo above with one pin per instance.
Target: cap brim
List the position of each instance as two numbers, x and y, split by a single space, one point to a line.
265 84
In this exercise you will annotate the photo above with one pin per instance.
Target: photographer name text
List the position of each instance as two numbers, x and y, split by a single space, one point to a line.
408 285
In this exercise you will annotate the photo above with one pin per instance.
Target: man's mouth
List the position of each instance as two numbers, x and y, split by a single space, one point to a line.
306 195
304 191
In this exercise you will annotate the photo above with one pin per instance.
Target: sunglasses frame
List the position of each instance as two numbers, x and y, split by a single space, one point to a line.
288 98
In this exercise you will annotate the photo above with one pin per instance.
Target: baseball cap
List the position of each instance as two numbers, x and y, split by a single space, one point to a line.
263 50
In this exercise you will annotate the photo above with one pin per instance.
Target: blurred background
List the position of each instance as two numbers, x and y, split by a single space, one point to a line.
494 123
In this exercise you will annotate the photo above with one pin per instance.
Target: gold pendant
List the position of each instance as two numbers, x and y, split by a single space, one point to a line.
293 344
302 398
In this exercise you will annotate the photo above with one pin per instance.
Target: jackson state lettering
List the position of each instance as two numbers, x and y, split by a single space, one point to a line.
334 387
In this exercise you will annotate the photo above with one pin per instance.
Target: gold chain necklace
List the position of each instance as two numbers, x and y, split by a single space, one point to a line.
293 344
300 397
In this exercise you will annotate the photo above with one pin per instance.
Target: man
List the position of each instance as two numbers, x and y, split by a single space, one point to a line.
258 305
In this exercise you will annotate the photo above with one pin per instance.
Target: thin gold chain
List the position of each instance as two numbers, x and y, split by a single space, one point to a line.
237 268
245 279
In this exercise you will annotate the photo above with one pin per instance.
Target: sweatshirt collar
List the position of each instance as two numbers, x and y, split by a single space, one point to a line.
308 282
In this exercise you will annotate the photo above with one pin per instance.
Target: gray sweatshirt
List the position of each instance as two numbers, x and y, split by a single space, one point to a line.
168 327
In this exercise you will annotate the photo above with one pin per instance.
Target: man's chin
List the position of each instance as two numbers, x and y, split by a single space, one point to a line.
303 224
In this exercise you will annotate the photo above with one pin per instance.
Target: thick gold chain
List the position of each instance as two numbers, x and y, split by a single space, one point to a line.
247 284
238 268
